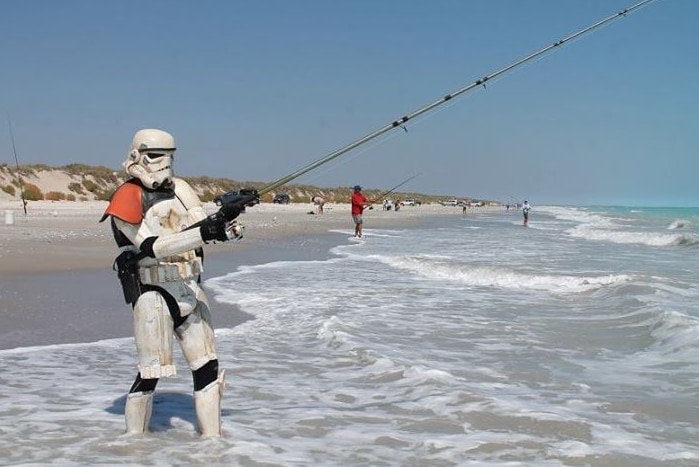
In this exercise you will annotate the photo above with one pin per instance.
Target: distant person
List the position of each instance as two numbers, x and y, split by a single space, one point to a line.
319 202
359 202
525 211
397 205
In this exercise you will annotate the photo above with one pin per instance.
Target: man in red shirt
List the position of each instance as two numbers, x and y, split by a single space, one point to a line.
359 202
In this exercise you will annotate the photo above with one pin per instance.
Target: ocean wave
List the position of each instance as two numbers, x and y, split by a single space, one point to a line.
675 332
582 216
679 224
496 276
597 226
588 232
113 343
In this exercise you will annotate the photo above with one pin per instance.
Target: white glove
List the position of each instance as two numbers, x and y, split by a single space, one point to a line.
234 231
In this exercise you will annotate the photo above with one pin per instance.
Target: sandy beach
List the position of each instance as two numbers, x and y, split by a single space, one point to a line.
56 281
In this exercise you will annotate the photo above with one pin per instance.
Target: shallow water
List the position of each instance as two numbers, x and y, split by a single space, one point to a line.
473 341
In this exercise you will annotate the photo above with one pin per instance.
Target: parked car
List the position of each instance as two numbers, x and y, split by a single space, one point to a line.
450 202
281 198
408 202
232 196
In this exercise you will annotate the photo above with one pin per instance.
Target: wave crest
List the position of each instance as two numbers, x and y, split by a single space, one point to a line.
496 276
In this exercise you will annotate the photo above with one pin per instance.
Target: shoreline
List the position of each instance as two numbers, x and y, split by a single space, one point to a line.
67 236
86 304
57 285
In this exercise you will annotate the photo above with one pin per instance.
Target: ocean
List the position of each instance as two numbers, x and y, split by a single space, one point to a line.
469 340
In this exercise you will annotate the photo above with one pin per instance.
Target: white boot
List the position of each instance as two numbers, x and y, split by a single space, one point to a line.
138 409
207 404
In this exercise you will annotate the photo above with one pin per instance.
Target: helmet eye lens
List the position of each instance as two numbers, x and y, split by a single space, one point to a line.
155 155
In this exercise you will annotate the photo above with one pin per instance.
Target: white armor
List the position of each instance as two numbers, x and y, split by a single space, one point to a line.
207 404
170 271
138 409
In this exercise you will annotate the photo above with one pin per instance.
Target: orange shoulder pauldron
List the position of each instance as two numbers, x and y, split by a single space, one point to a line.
126 204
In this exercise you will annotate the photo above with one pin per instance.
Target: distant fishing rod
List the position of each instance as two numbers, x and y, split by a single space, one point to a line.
399 123
19 177
394 188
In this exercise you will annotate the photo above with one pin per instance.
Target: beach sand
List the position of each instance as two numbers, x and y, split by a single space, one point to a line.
56 279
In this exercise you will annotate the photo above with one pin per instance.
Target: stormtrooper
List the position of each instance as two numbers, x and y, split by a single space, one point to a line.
160 226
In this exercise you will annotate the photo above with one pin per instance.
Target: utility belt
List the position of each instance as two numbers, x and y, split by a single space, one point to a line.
132 277
169 272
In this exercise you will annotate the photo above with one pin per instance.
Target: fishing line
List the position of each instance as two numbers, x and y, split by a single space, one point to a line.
350 157
386 193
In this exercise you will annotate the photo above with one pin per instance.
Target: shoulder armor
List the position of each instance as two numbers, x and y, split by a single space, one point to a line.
186 194
126 204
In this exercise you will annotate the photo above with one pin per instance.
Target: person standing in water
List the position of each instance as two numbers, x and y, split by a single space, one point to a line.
525 211
159 267
359 202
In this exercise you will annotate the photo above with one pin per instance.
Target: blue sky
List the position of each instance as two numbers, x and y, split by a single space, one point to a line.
255 90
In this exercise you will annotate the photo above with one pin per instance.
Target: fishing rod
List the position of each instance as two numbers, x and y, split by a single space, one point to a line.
19 177
394 188
400 122
251 196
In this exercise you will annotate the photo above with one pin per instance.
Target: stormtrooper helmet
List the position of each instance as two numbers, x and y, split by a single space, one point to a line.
151 157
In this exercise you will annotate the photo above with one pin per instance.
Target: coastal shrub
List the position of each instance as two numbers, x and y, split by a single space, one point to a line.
207 196
32 192
76 188
103 195
9 189
70 197
219 185
99 172
38 167
28 171
91 186
55 196
84 198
